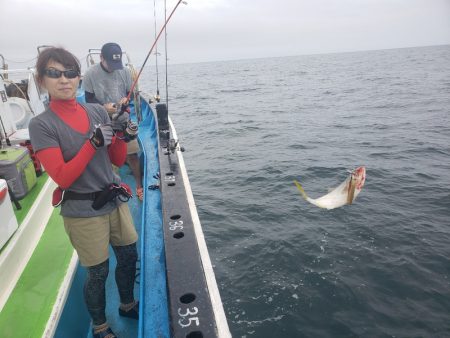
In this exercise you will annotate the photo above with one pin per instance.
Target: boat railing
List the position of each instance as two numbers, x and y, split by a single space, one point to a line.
28 90
193 296
93 57
4 67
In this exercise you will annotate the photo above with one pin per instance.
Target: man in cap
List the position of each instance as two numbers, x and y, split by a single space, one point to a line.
108 83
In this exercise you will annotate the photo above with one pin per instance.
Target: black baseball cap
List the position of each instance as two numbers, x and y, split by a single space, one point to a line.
112 53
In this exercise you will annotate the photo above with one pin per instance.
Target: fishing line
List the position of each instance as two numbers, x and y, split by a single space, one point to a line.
151 49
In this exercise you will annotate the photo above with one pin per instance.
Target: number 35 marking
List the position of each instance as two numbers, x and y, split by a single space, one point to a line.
186 320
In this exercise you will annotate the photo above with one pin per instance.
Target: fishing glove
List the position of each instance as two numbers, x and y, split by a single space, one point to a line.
102 136
119 122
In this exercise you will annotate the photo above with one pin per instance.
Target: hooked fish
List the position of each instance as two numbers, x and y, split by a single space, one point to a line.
344 193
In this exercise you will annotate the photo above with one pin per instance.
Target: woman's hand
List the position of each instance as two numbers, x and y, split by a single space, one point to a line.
102 136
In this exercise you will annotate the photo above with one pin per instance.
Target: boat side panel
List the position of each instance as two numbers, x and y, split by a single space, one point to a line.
31 302
223 330
190 303
154 320
191 310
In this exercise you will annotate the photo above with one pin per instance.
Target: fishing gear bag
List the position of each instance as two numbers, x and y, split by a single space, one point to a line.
17 168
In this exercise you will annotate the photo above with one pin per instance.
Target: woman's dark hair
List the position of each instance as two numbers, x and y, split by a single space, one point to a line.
56 54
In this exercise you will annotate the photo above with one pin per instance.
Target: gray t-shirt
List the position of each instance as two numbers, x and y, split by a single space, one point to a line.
47 130
107 87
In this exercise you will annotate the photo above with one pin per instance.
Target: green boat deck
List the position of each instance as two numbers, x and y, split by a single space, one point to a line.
29 306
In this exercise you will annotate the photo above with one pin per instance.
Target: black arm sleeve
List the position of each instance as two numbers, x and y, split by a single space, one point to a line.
90 97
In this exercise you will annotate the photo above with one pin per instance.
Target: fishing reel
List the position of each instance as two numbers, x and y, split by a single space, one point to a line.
156 98
130 130
173 145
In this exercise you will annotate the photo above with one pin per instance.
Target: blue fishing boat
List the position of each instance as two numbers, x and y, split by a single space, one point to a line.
42 281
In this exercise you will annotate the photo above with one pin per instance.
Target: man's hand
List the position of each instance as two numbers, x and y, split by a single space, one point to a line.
111 108
123 101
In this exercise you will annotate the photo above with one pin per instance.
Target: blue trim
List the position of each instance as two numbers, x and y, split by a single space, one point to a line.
80 94
154 314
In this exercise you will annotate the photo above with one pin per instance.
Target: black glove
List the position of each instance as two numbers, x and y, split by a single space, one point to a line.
102 136
119 122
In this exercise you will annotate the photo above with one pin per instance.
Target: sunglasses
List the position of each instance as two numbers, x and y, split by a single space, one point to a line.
56 74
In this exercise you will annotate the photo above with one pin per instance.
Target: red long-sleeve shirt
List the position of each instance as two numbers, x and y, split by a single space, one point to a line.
65 173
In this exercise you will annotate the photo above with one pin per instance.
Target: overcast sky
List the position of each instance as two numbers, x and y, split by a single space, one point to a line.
209 30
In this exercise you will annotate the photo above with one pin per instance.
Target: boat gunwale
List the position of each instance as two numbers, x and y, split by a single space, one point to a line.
213 290
15 257
194 302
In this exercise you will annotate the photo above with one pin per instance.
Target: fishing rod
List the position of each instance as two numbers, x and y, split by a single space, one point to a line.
165 48
8 142
151 49
157 97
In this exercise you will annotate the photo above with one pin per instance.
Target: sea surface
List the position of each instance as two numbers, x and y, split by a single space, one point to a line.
286 268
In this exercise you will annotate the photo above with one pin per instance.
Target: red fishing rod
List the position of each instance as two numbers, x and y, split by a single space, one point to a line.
151 49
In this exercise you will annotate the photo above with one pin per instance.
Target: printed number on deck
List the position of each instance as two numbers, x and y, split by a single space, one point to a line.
169 178
186 320
177 225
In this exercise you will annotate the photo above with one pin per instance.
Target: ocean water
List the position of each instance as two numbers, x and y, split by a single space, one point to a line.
285 268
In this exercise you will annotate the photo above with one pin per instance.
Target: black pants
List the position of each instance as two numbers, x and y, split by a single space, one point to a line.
94 287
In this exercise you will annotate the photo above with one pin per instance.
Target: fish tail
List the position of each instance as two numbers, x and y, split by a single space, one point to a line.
300 188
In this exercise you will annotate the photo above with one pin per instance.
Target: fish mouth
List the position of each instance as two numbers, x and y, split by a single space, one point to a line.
360 177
